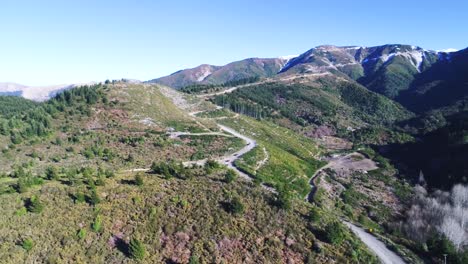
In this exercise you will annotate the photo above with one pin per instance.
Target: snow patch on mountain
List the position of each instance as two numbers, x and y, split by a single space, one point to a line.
203 76
415 56
353 48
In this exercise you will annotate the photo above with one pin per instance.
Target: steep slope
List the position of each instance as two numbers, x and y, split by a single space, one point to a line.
187 77
440 154
442 85
208 74
385 69
314 103
70 178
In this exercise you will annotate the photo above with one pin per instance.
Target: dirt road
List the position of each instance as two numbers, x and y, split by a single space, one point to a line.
378 247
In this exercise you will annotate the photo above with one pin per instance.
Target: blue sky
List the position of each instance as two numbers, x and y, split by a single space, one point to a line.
54 42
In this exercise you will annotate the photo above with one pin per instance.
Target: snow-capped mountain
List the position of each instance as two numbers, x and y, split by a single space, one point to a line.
366 64
323 58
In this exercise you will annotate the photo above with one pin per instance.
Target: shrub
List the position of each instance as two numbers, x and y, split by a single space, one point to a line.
161 168
81 234
94 197
52 173
334 233
139 180
22 211
79 197
35 205
236 206
283 199
97 224
194 260
27 244
314 214
230 176
22 186
100 181
211 165
136 249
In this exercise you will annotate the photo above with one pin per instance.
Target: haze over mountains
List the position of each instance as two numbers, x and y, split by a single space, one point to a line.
34 93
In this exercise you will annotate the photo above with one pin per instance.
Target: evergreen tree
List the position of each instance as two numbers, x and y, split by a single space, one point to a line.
27 244
236 206
314 214
230 176
94 198
136 249
334 233
52 173
139 180
97 224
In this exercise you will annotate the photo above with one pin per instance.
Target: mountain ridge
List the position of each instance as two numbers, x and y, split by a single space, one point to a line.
345 59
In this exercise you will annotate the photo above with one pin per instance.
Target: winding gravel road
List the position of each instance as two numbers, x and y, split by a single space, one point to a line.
229 159
378 247
385 255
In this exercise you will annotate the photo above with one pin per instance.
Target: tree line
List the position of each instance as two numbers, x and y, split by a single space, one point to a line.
205 88
28 119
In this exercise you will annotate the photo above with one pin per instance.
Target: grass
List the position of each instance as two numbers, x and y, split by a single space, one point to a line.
128 132
216 114
291 160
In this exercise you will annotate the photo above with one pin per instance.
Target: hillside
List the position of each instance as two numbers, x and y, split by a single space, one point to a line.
386 69
257 161
319 102
440 154
208 74
95 175
442 85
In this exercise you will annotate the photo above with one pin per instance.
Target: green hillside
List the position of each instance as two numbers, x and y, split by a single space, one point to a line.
326 101
71 190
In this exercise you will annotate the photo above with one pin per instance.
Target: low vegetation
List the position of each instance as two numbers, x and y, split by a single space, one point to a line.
202 218
291 162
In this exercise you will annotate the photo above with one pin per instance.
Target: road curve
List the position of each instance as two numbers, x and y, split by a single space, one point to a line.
378 247
229 159
385 255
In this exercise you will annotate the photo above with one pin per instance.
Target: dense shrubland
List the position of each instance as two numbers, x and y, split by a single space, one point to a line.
151 218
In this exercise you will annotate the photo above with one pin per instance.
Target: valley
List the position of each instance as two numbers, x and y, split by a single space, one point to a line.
316 158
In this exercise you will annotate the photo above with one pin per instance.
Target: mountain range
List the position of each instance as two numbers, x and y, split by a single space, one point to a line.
405 73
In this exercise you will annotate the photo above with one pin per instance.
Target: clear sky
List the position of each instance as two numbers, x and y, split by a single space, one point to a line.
65 41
